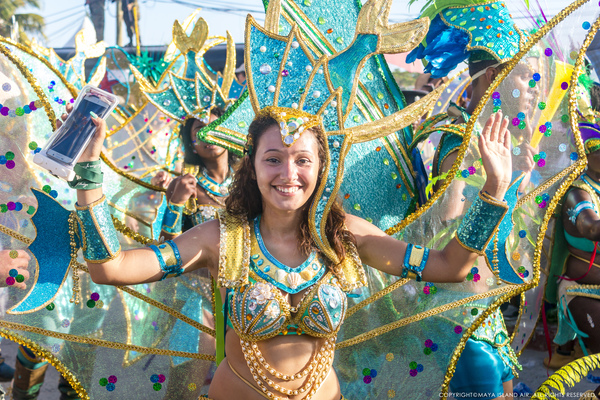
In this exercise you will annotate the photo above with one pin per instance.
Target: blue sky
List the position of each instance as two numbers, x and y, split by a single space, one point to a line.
64 17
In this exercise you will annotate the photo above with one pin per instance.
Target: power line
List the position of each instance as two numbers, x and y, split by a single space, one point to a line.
62 29
230 9
59 12
63 18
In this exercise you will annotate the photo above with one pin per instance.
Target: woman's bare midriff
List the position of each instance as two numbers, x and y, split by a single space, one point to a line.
577 268
287 354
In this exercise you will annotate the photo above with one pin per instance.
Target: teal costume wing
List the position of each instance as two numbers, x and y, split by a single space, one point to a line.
411 334
99 338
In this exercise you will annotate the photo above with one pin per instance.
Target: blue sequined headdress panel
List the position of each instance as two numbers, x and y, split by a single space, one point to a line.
470 33
196 92
300 89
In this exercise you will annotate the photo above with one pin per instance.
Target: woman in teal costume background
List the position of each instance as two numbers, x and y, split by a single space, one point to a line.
574 268
212 161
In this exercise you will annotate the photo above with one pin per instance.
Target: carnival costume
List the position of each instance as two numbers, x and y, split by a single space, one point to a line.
396 334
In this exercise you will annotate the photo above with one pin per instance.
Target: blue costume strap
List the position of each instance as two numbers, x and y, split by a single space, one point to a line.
100 242
168 258
173 218
575 211
415 260
480 223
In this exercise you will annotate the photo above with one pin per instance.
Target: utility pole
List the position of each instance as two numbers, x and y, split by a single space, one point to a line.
119 23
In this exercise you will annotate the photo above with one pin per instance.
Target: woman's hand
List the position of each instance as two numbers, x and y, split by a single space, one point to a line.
494 146
14 259
182 189
161 179
94 148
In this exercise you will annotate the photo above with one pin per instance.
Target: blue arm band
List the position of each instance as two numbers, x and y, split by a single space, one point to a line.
575 211
99 236
415 260
172 221
168 258
480 223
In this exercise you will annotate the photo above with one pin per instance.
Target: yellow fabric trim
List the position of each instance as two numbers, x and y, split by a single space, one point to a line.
234 251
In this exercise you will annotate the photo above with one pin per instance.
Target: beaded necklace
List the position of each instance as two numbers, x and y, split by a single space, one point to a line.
290 280
212 187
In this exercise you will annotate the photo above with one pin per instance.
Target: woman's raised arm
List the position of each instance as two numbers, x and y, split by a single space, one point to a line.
101 249
453 263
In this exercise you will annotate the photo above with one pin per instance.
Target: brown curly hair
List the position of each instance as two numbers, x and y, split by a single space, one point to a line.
245 198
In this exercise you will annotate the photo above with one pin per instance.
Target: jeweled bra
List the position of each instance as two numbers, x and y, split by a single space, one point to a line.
259 309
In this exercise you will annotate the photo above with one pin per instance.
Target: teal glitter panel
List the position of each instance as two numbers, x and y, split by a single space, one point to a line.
343 68
52 250
237 118
298 67
185 337
490 27
334 20
185 90
317 94
507 273
167 102
335 145
479 223
383 201
99 245
265 65
576 291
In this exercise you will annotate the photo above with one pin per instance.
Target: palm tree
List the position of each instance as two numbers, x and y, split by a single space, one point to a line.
28 22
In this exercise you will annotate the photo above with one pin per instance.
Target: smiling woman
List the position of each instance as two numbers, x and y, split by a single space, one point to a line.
289 178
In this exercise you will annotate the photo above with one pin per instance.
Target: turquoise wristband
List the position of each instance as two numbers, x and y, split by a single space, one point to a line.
100 242
173 220
415 260
169 259
480 223
575 211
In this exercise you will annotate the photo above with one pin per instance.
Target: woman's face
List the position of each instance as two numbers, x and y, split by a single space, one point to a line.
203 149
286 176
